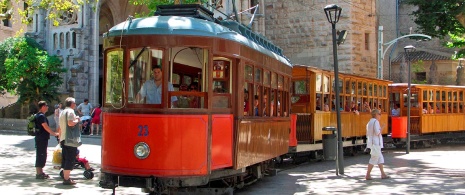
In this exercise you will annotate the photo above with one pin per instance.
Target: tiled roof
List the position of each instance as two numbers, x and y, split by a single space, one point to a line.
420 55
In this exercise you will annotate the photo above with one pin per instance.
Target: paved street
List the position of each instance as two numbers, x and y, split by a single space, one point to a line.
17 157
438 170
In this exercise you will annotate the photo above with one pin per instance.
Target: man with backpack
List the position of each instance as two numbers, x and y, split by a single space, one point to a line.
41 139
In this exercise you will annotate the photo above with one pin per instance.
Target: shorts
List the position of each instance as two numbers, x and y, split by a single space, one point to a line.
375 160
68 154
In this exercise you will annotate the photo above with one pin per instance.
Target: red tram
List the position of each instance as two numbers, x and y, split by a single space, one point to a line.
222 110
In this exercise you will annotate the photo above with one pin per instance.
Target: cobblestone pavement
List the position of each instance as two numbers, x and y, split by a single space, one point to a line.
437 170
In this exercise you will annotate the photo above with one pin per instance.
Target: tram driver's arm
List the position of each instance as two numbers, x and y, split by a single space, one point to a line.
141 94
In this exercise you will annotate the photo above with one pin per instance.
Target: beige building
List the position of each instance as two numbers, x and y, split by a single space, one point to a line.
304 33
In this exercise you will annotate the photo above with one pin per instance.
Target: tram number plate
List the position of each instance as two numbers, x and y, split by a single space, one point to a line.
143 130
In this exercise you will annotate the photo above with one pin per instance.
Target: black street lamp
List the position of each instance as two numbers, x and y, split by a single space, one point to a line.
333 12
408 49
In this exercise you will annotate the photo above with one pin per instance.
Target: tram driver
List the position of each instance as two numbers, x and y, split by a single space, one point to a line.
152 89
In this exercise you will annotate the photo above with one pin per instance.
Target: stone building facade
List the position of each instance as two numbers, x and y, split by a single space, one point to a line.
300 27
432 61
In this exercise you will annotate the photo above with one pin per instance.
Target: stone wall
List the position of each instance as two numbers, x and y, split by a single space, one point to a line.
15 26
300 27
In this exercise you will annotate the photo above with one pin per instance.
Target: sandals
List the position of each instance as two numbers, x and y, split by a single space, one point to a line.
42 176
386 177
69 182
368 178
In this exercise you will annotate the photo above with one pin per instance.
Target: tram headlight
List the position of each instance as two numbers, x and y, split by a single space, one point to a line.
141 150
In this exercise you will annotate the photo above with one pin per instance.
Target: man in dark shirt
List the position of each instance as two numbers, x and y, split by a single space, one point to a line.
41 139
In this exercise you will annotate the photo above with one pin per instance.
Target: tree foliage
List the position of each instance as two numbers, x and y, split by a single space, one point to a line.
439 18
54 8
28 70
152 4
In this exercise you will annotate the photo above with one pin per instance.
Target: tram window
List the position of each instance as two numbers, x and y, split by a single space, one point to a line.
114 80
257 97
443 95
187 72
359 88
280 82
143 86
438 96
265 102
274 81
221 83
248 73
326 102
365 89
325 83
370 89
258 75
347 87
425 95
460 95
300 87
375 91
273 102
247 99
318 101
352 88
266 78
318 83
139 72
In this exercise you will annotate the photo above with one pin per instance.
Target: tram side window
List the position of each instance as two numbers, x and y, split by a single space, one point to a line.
114 77
221 83
188 67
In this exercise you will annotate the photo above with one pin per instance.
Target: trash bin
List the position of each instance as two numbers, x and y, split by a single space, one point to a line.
330 143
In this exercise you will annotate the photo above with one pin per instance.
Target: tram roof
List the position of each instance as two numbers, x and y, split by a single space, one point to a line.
425 85
176 25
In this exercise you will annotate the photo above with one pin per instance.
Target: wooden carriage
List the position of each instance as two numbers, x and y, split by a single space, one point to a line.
313 103
434 108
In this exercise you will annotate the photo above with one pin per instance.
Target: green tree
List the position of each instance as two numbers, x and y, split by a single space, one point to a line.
444 19
152 4
55 8
27 70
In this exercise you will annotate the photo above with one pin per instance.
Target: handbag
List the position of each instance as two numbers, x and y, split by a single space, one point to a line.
375 150
73 136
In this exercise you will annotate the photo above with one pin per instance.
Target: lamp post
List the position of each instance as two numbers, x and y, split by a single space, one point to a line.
408 49
333 12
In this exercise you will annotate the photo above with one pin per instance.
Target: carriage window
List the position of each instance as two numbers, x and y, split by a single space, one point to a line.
325 84
375 91
359 88
248 73
266 78
114 85
145 70
347 87
258 75
318 82
187 72
274 81
221 83
280 82
300 87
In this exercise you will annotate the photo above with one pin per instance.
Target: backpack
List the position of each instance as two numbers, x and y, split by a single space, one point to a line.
31 125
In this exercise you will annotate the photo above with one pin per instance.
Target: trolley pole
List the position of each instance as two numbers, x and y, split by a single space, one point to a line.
333 19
